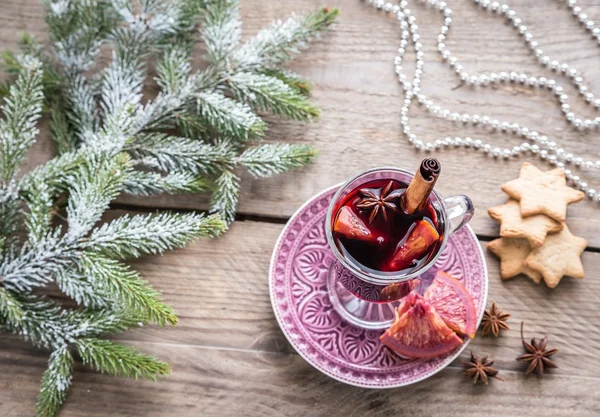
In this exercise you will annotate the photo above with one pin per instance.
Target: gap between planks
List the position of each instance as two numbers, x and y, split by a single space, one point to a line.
241 217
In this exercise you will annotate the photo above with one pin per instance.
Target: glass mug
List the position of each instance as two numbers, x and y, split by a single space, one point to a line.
366 297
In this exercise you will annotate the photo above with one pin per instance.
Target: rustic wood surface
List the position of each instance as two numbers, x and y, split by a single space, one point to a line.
228 355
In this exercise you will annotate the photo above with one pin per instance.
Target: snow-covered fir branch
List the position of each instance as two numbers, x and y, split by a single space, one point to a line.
190 134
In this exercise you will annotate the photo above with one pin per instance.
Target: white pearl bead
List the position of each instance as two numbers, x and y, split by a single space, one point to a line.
535 149
477 143
578 161
591 193
487 148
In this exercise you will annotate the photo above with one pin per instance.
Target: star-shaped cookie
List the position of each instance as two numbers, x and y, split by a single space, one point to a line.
512 224
560 255
542 192
512 253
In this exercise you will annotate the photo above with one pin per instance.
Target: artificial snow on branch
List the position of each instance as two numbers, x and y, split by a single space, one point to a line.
172 137
112 136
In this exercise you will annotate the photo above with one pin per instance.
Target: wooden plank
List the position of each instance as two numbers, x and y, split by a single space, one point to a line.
222 382
355 87
220 291
229 355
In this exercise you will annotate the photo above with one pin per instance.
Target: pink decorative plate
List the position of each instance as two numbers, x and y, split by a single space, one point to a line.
300 265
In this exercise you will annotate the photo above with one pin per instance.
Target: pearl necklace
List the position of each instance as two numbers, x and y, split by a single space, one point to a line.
542 146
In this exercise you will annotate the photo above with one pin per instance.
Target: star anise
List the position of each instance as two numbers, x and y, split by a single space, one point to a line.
494 320
480 369
378 200
537 355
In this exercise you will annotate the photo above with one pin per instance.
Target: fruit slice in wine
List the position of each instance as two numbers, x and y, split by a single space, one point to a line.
453 303
398 290
419 332
420 238
349 225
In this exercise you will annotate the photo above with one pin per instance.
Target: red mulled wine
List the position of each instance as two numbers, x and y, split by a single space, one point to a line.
371 227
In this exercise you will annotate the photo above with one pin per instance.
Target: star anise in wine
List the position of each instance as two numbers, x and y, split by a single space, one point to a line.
537 354
480 369
378 200
494 320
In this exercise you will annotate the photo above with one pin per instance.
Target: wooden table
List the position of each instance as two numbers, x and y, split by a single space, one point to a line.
228 355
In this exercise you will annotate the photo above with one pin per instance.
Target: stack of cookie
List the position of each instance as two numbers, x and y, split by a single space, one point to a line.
535 238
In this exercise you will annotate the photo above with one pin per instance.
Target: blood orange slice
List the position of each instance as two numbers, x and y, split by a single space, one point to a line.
422 235
418 331
453 303
351 226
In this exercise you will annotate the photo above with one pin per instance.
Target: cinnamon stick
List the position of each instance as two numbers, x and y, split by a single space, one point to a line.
416 195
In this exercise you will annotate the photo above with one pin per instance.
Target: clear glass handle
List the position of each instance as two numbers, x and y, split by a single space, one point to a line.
459 210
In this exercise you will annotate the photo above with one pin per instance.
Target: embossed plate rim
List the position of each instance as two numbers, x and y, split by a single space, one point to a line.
319 367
